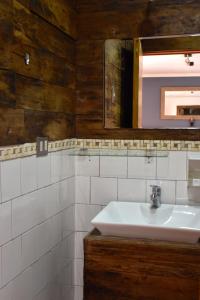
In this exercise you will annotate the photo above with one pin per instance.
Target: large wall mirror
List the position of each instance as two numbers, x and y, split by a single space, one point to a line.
152 82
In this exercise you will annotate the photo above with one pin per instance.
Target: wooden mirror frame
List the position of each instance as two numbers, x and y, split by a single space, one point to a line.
171 44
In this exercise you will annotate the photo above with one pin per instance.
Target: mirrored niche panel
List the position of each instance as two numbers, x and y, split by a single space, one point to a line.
141 78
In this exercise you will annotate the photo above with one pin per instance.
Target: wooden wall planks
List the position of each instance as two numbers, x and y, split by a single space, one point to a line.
37 99
100 20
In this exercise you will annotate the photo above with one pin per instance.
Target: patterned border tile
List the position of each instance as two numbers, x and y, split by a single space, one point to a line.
18 151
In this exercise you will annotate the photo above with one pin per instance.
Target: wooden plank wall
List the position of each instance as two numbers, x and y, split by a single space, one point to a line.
38 99
106 19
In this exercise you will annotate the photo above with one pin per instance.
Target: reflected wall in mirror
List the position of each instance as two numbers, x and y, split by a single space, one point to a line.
134 81
180 103
118 83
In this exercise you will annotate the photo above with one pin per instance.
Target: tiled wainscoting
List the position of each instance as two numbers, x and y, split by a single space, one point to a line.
102 179
47 204
37 227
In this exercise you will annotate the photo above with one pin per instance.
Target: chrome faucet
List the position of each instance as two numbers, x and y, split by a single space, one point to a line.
156 196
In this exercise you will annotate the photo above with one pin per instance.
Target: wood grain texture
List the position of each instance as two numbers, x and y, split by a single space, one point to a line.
34 31
37 99
58 13
127 19
133 269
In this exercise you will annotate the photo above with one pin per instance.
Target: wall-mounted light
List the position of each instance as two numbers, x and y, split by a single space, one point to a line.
27 58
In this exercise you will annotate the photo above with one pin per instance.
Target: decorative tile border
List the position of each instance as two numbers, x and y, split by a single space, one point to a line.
17 151
159 145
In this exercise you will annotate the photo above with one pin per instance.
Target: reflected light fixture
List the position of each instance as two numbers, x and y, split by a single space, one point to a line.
188 61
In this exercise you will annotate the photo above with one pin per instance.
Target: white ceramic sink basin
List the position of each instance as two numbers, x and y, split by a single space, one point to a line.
168 222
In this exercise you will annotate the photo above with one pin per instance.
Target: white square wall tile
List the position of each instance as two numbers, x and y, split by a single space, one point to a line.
103 190
131 190
26 213
10 179
173 167
48 201
67 249
78 272
68 164
83 216
182 195
11 260
28 174
40 274
87 165
22 286
6 292
113 166
5 222
162 167
78 293
29 247
56 229
82 189
68 221
141 167
43 171
168 190
56 164
67 192
1 282
79 251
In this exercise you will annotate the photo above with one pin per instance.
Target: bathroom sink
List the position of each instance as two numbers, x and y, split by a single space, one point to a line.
177 223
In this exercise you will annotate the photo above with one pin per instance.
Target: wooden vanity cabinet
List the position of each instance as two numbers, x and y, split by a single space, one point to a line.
118 268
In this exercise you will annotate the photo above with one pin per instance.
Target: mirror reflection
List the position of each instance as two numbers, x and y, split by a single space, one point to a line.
152 83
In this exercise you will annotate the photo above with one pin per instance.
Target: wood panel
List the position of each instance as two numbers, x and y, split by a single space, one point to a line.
56 126
107 19
37 99
131 269
11 126
44 65
34 31
39 96
7 88
58 13
90 126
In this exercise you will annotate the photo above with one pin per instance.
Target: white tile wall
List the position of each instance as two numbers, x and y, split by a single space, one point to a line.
113 166
82 190
173 167
103 190
84 214
131 190
99 181
43 170
37 197
11 260
78 272
87 165
182 192
56 164
46 205
28 174
25 213
5 222
141 167
10 179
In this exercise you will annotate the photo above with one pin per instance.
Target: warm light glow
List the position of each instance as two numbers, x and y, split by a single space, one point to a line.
170 66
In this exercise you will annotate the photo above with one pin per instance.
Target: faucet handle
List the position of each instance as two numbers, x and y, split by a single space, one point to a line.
156 188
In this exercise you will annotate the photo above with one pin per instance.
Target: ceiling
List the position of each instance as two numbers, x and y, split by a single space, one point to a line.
173 65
